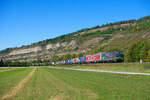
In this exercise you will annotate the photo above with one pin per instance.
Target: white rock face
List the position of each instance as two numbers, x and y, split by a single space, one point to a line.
53 46
49 46
57 45
38 48
64 44
26 50
73 42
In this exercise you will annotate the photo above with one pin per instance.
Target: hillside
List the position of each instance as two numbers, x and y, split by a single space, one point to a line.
121 35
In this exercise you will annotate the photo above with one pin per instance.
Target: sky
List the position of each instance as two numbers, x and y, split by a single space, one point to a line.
23 22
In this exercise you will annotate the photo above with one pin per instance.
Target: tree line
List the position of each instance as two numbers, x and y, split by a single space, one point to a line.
9 63
139 50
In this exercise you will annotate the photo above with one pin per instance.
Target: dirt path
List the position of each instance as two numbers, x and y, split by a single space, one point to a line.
19 86
57 98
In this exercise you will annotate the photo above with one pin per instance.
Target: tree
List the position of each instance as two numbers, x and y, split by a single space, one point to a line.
137 51
1 63
148 56
55 58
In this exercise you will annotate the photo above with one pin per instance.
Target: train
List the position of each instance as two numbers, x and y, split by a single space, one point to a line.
101 57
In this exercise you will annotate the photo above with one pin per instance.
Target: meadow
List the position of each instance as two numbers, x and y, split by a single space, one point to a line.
122 67
48 83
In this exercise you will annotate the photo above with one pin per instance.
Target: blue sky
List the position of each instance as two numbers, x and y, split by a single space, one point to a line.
23 22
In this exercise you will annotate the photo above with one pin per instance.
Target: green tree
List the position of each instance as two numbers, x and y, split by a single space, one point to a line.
1 63
55 58
148 56
137 51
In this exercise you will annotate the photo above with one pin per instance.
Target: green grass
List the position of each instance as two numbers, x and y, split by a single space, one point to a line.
59 84
143 68
9 79
3 69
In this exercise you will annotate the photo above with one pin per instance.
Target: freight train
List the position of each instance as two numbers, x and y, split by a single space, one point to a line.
105 57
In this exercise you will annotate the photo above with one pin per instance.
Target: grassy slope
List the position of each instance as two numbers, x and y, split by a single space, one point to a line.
10 79
143 68
59 84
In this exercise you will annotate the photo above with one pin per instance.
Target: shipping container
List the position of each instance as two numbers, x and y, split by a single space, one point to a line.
96 57
82 59
66 61
76 60
88 59
71 61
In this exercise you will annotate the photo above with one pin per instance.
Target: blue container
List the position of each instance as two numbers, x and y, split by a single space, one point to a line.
82 59
66 61
71 61
54 62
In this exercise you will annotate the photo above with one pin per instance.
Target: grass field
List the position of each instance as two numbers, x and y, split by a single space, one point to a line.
143 68
6 69
9 79
58 84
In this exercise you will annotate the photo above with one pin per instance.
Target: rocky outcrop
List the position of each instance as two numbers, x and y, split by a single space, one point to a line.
26 50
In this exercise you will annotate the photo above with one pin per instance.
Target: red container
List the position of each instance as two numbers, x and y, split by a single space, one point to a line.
88 58
96 57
